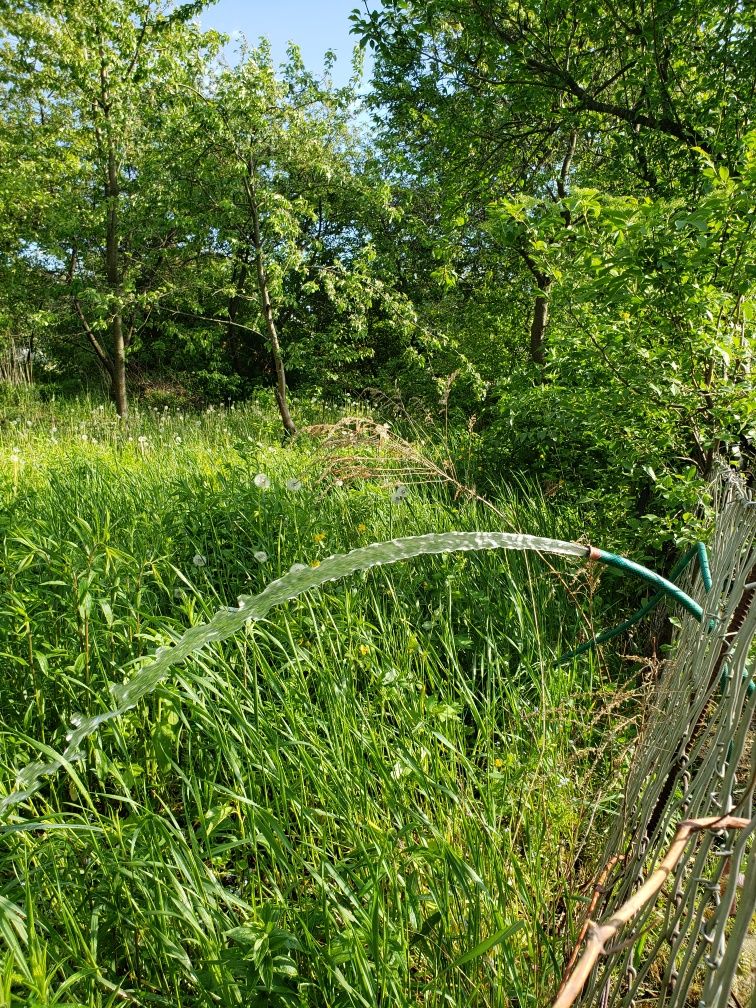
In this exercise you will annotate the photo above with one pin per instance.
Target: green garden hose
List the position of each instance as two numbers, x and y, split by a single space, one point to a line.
667 588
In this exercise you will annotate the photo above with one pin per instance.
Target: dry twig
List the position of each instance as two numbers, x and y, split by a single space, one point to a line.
599 935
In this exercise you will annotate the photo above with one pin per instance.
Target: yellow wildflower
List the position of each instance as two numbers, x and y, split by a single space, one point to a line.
319 537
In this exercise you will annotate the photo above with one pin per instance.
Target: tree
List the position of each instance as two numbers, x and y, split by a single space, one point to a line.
587 141
527 97
290 197
94 84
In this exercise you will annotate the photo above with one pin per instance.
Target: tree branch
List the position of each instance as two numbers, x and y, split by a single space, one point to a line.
98 348
599 935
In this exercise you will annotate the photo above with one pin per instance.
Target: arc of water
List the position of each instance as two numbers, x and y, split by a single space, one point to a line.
228 621
298 580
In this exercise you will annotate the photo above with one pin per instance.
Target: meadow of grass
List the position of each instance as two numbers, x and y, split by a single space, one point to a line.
381 795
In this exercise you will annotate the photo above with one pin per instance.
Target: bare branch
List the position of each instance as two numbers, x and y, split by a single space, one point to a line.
599 935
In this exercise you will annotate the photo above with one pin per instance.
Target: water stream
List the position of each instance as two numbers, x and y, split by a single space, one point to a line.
226 622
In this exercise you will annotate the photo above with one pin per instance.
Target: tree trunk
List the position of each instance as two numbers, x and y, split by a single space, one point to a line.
540 321
275 346
116 364
118 386
267 307
113 273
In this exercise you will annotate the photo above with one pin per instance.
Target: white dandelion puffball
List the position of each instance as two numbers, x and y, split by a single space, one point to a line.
261 556
294 485
400 493
198 560
261 481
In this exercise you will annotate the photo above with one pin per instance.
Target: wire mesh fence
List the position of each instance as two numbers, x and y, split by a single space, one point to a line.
676 890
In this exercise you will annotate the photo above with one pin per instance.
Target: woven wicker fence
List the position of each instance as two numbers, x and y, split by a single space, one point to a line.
676 892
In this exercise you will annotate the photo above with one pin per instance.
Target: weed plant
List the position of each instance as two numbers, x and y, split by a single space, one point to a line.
377 797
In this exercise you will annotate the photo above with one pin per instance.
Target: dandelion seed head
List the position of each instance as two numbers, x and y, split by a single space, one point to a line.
294 485
261 481
198 560
261 556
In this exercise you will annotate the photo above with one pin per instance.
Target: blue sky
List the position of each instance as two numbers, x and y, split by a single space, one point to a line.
315 26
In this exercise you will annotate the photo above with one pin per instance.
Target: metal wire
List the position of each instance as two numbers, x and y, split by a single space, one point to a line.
695 758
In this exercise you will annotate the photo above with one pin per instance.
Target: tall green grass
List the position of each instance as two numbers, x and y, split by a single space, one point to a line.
375 797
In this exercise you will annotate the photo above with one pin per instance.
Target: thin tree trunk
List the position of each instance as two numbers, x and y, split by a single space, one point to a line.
117 339
267 307
29 361
540 321
118 389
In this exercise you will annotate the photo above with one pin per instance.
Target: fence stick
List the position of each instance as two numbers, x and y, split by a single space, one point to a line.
600 934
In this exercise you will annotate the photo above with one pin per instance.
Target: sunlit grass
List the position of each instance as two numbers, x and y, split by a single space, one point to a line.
376 797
